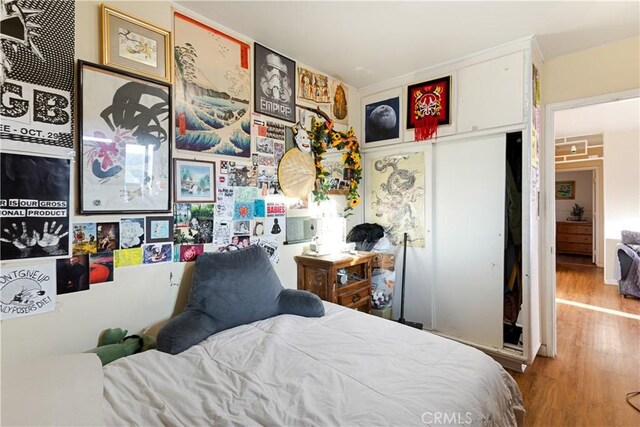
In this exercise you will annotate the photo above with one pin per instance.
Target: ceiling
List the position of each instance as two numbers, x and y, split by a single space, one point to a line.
618 116
366 42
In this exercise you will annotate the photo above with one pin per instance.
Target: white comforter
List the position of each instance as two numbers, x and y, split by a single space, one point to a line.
346 368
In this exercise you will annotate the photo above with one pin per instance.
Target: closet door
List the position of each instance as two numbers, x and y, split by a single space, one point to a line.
469 210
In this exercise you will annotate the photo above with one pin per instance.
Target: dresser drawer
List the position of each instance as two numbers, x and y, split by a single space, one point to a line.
574 248
573 229
574 238
355 297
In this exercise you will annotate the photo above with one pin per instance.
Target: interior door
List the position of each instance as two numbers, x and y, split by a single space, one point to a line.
469 210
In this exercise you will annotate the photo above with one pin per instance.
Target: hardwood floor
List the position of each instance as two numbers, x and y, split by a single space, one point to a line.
598 360
574 259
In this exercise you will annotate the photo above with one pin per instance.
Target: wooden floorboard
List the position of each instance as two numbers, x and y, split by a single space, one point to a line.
598 360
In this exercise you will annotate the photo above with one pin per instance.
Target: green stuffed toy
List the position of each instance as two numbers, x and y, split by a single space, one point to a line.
114 344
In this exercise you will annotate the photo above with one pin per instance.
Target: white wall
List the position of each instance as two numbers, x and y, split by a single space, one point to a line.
584 195
621 192
140 296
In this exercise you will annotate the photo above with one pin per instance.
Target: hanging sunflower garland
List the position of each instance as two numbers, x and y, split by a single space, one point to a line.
323 136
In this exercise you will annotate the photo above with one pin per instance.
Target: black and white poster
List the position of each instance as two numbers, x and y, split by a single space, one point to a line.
275 84
27 290
34 207
36 71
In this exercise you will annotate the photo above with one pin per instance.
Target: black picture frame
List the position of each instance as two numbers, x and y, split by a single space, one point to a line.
151 229
124 141
274 82
444 83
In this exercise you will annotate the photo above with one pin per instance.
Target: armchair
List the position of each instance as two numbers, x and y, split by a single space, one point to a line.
628 264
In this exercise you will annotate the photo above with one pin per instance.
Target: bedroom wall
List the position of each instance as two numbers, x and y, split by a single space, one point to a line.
584 194
140 296
621 192
610 68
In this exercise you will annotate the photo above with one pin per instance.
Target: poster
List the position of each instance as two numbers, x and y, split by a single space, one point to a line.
212 90
34 207
396 196
193 223
126 142
190 253
275 84
243 210
108 236
157 253
127 257
276 221
36 72
100 268
72 274
131 233
27 290
84 238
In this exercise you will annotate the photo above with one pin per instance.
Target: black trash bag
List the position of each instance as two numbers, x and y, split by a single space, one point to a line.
365 236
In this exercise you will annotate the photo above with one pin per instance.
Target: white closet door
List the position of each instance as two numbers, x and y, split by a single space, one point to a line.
469 205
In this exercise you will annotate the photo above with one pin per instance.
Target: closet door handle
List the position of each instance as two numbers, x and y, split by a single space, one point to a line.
355 298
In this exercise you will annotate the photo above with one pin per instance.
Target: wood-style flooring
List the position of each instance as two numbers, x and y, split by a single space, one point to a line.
598 360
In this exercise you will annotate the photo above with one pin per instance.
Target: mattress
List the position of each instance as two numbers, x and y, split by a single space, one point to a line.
346 368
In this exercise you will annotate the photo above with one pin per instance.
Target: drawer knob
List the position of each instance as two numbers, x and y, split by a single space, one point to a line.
355 298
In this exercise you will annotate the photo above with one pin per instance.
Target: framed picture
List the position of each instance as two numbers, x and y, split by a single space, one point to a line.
159 229
428 106
134 45
565 190
194 181
124 135
382 117
212 90
275 84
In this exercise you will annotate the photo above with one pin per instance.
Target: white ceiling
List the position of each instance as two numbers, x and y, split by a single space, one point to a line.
618 116
366 42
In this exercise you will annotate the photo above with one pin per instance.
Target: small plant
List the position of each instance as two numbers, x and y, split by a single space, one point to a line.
577 212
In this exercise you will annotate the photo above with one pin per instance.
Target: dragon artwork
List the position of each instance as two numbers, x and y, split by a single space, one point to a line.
397 203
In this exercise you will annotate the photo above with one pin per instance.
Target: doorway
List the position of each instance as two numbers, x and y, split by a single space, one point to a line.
604 236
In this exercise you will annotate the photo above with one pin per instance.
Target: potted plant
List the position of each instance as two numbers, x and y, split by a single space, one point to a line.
576 213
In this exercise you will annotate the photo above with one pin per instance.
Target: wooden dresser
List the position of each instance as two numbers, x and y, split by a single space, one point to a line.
574 237
319 275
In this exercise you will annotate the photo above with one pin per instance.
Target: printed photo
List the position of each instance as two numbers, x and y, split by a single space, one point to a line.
241 227
193 223
131 233
72 274
157 253
100 268
159 229
108 236
189 253
84 238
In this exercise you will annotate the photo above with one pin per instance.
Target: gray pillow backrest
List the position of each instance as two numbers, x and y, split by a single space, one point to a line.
231 289
235 287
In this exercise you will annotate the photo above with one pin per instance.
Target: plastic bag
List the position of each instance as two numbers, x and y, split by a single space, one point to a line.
382 283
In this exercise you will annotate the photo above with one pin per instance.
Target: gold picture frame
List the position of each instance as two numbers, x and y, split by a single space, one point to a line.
135 45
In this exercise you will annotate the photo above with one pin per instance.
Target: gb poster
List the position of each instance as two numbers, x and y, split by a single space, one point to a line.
36 72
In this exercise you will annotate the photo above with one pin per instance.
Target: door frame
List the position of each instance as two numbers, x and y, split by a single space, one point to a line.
597 193
548 256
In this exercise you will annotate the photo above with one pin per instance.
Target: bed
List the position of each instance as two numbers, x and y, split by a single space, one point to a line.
346 368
